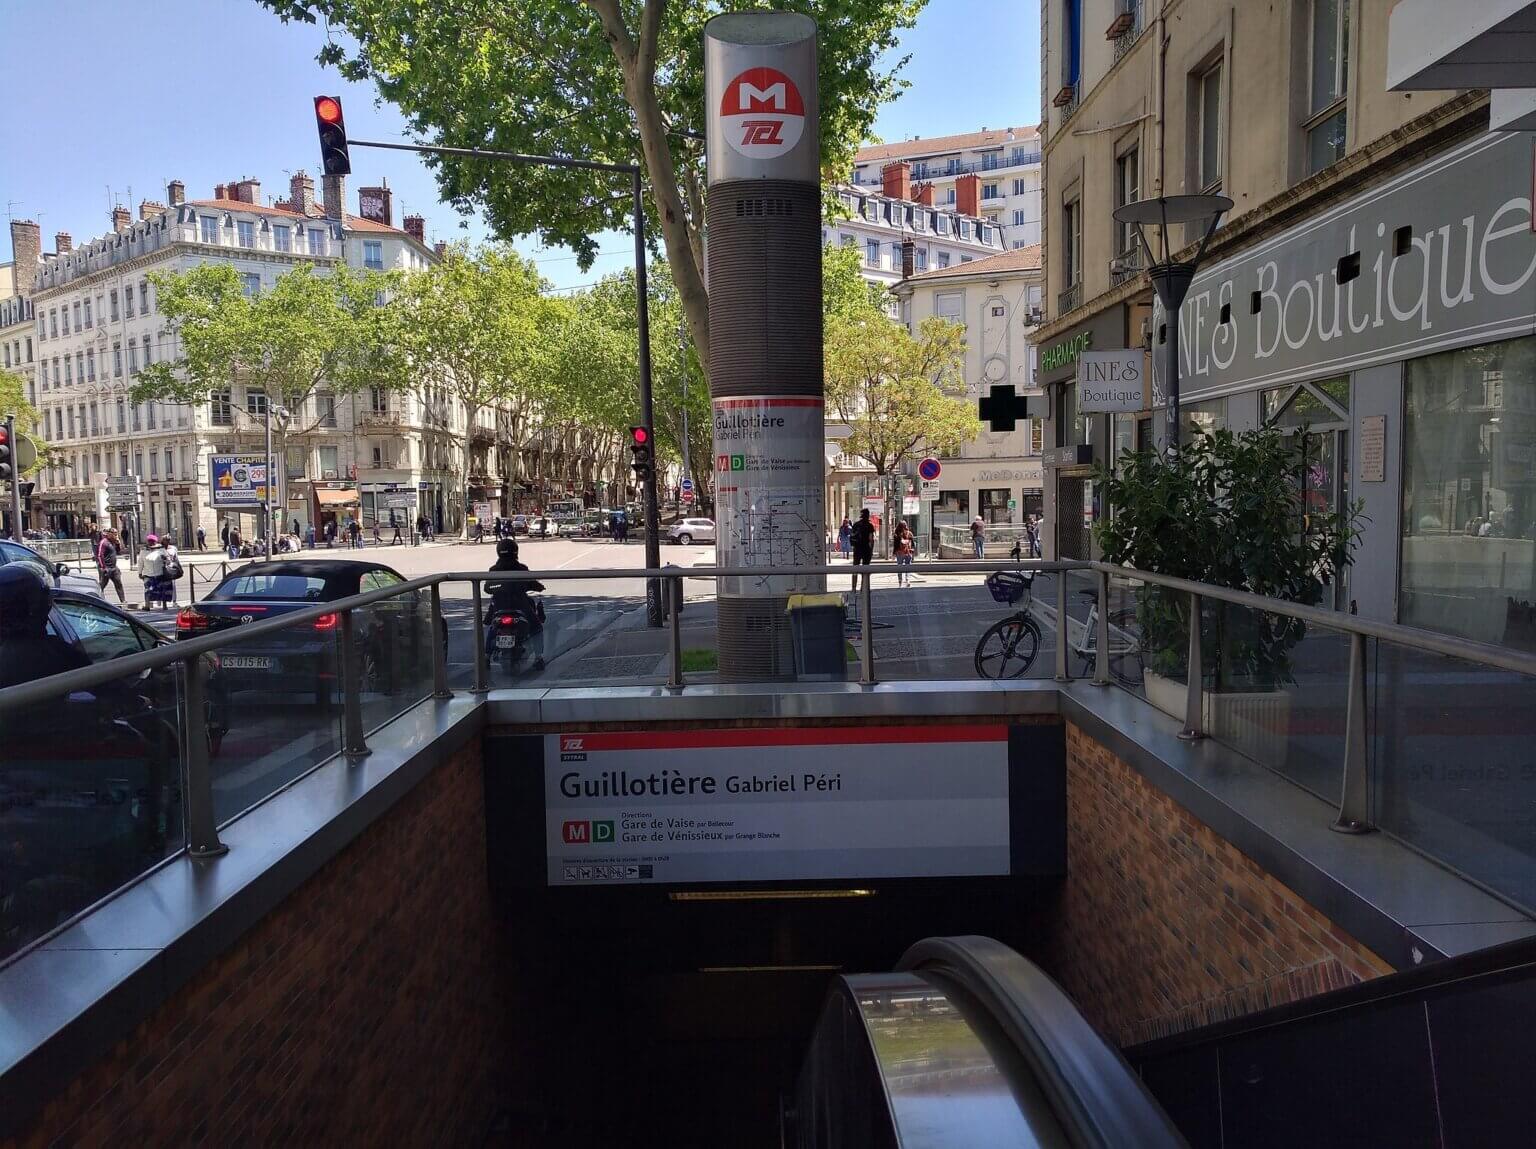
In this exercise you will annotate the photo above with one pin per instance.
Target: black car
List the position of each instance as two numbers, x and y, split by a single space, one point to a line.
391 636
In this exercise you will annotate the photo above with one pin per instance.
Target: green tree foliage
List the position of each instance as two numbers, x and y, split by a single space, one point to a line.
614 80
477 327
13 400
1229 510
309 332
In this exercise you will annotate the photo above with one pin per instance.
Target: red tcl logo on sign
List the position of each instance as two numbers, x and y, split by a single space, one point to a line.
762 113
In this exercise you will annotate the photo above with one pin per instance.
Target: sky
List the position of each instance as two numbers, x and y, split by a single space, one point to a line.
111 99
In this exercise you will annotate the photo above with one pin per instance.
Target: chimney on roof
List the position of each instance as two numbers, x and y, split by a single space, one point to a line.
908 258
218 191
335 196
377 204
176 192
440 248
121 218
62 243
416 228
923 194
896 178
968 194
27 251
247 191
150 208
301 193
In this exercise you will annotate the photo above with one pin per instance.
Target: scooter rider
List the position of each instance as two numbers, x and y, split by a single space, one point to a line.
515 598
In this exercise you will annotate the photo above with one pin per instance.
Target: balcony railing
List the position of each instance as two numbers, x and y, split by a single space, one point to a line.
929 171
1127 28
1067 100
1125 266
1069 299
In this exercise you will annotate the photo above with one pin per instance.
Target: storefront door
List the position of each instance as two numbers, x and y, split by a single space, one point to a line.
1074 515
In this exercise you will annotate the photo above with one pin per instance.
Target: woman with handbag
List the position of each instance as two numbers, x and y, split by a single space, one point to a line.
159 567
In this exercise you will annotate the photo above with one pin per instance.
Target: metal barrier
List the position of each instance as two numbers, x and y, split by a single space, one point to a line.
201 828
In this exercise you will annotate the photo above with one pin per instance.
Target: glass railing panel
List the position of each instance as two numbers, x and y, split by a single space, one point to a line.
1453 763
274 712
90 797
393 642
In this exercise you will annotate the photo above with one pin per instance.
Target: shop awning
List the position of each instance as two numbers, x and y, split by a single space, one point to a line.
336 498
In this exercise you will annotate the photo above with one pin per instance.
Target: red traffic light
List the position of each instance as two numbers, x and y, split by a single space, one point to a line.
5 436
328 108
640 436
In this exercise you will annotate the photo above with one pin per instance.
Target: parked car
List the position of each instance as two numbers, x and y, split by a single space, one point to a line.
57 575
519 524
689 531
390 635
543 527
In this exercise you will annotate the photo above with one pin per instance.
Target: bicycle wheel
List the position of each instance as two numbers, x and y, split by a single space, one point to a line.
1007 648
1125 647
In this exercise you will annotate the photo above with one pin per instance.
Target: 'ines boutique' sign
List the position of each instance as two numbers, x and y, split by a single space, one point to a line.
1111 380
1437 257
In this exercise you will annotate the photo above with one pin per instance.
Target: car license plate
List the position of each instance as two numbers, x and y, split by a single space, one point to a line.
505 641
246 661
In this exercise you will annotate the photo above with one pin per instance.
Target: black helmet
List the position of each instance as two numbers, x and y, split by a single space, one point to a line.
506 549
25 600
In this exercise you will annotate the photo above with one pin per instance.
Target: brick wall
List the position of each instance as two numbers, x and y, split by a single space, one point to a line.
365 1010
1163 925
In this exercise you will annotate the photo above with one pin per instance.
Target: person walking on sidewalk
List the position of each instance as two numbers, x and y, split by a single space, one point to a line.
844 536
904 547
107 551
154 569
224 535
377 541
979 536
861 537
202 540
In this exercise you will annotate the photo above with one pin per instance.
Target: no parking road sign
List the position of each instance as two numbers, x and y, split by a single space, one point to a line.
928 470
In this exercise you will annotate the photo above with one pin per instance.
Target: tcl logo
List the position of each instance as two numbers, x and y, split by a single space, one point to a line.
762 113
570 743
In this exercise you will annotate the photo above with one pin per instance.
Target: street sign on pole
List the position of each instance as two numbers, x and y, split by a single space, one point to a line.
929 490
928 470
687 496
686 484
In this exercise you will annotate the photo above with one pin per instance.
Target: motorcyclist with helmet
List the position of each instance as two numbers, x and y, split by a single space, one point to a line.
515 598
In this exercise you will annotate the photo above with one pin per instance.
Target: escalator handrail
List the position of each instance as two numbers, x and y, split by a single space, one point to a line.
1100 1100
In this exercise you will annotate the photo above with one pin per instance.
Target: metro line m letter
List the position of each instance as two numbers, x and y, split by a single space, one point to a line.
772 98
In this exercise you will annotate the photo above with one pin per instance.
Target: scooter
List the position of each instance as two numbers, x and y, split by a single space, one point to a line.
509 633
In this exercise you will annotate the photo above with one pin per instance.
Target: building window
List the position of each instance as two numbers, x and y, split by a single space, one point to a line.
1072 46
90 366
170 469
250 284
379 400
943 259
1327 113
122 427
154 465
128 302
316 241
117 360
988 191
949 196
149 355
1018 217
325 408
1208 127
920 259
151 412
133 356
87 314
112 299
245 233
76 310
1019 188
136 416
281 240
220 409
872 253
143 297
209 228
327 459
255 401
1127 190
53 325
1072 250
95 422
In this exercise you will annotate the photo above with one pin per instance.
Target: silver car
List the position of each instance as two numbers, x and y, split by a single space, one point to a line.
57 575
690 531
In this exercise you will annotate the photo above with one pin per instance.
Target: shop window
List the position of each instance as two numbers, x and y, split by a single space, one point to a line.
1204 418
1306 404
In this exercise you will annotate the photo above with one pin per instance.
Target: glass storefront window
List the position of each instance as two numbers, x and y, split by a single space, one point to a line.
994 503
1204 418
1469 493
1306 404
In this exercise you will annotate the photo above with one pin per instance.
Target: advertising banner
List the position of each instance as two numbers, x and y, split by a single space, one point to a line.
769 462
756 805
237 480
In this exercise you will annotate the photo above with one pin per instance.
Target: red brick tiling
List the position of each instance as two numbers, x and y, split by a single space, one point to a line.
1163 925
364 1010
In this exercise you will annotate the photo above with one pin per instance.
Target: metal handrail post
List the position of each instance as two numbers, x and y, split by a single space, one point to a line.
202 827
1062 672
353 744
867 633
1194 688
439 646
482 672
1101 638
1354 801
674 619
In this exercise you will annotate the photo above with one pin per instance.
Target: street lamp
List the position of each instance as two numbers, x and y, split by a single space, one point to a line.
1171 277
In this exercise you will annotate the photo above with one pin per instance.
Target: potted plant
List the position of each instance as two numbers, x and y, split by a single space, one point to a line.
1229 510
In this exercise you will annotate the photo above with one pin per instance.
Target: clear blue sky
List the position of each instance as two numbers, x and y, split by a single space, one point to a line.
112 95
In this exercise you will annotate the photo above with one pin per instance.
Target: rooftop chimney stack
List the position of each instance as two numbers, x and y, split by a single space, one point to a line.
218 191
176 192
923 194
301 193
968 194
335 196
121 219
416 228
440 248
150 208
27 250
896 177
377 204
908 258
63 244
248 191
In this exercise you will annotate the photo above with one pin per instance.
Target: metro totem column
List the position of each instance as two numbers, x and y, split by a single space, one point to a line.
763 268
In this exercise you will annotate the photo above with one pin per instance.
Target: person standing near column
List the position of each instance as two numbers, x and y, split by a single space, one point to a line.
862 538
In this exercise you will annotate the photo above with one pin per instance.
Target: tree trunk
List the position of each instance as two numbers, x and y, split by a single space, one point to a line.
470 414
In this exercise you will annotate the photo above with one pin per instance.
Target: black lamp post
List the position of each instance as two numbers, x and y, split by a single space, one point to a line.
1171 277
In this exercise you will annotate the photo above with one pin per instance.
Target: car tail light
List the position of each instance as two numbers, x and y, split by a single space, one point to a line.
189 619
327 621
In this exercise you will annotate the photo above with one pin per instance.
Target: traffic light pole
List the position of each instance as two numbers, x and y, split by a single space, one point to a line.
10 442
651 508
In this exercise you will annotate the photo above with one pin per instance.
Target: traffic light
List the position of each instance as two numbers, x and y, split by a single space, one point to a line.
6 455
641 454
334 160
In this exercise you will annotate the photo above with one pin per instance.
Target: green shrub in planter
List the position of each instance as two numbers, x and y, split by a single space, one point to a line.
1225 509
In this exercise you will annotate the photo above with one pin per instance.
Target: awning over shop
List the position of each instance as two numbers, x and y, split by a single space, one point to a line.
336 498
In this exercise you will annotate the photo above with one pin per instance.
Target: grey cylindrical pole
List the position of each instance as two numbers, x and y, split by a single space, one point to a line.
482 672
1194 687
765 353
675 618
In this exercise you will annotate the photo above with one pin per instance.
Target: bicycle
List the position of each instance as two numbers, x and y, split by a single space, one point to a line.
1124 641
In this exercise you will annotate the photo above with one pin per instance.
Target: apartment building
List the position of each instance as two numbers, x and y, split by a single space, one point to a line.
1375 280
1005 163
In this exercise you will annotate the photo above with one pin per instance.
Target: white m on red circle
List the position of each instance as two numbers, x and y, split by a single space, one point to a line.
762 113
